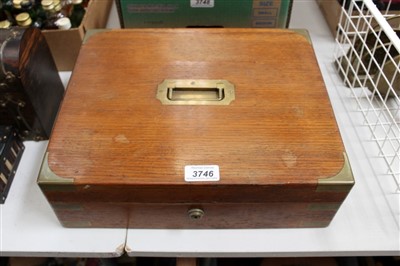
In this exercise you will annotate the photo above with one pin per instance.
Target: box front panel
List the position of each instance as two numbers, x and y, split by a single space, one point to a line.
195 216
205 207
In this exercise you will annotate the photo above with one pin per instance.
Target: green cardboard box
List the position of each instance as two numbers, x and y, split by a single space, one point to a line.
204 13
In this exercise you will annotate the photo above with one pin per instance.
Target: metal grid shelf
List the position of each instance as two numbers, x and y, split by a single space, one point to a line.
367 57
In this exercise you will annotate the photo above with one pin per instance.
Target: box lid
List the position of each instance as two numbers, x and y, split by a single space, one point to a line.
277 130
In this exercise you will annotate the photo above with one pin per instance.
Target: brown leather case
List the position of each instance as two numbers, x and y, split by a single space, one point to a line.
247 107
30 87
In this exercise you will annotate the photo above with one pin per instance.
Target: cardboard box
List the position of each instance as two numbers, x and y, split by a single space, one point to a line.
331 10
204 13
65 44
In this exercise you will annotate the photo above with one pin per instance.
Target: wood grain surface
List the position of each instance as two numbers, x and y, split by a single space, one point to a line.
279 130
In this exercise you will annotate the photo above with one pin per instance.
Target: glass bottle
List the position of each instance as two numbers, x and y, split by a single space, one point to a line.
47 6
40 12
23 19
77 13
16 7
47 11
7 7
36 3
3 14
5 24
63 23
27 7
52 12
4 21
57 5
66 7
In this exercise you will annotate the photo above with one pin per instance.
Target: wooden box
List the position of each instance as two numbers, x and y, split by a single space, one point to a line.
30 87
196 128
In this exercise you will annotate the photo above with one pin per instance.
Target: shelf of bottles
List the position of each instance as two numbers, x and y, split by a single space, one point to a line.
43 14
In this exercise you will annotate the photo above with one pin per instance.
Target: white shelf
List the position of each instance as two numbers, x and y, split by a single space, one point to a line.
366 224
28 226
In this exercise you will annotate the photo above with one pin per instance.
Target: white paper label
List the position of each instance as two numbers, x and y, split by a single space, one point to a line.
201 173
202 3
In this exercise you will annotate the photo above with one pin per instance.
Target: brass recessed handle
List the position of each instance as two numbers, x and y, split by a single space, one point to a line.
195 92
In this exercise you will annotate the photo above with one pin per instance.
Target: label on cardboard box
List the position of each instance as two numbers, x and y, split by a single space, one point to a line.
265 12
201 3
266 4
151 8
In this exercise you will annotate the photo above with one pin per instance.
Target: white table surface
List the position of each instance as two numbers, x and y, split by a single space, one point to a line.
28 226
366 224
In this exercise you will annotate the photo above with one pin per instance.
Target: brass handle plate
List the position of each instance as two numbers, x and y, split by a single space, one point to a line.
195 92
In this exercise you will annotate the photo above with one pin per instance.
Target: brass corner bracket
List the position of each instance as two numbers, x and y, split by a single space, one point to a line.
48 177
343 181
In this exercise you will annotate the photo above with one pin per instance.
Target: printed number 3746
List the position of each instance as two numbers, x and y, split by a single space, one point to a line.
203 174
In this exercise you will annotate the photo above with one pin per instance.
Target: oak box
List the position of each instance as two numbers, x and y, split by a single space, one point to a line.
196 128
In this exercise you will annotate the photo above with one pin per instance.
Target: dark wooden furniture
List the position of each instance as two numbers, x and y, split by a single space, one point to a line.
11 150
30 86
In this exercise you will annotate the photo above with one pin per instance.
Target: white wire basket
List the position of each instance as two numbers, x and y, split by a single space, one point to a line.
368 60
